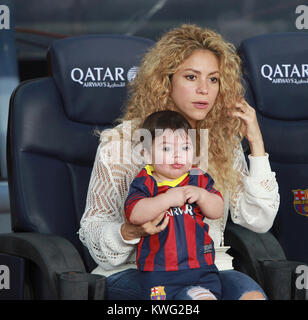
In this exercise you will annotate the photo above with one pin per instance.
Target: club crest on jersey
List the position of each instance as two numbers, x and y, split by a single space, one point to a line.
158 293
300 201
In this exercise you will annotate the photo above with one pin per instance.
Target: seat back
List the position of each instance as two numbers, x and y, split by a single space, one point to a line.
276 75
51 140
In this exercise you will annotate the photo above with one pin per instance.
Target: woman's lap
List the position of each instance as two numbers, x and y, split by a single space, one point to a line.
124 285
235 284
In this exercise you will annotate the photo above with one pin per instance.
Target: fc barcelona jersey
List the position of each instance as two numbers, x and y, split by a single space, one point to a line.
185 242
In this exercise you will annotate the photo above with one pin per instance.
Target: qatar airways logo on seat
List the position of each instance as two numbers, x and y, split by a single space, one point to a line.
104 77
285 73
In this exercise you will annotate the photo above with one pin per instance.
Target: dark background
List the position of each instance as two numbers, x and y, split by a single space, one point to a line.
235 19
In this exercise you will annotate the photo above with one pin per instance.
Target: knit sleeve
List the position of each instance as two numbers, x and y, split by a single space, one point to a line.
101 222
255 203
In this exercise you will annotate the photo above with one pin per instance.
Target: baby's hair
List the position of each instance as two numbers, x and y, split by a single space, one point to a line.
162 120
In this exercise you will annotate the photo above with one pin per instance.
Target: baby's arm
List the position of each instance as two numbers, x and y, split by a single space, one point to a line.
210 204
147 209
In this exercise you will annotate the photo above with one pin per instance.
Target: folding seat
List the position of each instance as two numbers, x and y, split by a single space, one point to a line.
51 150
275 68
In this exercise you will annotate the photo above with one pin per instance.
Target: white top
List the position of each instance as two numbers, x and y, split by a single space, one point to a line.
254 205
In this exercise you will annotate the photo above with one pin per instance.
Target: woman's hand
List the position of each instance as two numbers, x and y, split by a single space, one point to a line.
252 132
131 231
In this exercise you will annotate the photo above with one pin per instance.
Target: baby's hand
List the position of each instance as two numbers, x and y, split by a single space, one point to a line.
176 197
193 193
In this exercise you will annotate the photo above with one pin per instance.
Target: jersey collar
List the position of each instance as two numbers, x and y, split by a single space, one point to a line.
170 183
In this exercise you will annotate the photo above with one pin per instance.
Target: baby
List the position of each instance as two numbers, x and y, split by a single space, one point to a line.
178 262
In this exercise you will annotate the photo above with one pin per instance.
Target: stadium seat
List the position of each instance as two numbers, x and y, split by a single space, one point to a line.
275 68
51 150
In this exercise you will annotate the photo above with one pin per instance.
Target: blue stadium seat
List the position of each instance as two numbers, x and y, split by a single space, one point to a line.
275 68
51 150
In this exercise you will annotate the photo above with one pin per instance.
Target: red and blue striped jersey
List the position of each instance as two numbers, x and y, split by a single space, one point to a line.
185 242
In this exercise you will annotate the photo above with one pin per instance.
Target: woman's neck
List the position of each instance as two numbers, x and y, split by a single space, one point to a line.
193 123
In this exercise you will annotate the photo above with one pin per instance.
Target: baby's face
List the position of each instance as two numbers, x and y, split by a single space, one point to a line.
172 154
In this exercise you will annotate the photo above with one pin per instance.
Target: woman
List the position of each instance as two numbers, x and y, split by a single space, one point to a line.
195 72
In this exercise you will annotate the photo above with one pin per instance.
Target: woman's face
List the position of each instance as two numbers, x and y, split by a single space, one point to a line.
195 85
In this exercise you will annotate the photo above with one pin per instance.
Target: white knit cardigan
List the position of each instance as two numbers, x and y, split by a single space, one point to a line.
254 205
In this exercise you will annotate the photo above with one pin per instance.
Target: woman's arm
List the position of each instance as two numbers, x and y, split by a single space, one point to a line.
252 132
254 204
132 231
100 226
103 230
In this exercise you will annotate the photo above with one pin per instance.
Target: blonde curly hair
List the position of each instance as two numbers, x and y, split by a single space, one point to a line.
151 91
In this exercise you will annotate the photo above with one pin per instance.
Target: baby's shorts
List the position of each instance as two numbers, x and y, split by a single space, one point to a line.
181 284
